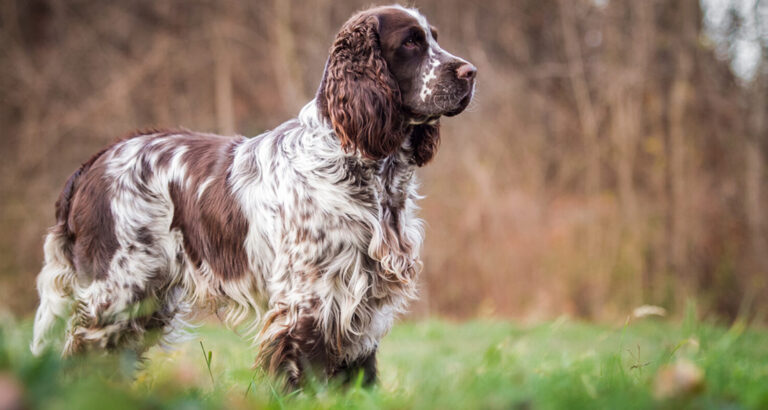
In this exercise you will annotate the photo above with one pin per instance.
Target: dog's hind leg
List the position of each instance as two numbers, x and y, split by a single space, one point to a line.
128 321
113 314
135 305
54 285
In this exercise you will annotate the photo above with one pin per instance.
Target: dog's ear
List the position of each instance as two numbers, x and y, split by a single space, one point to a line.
361 97
425 139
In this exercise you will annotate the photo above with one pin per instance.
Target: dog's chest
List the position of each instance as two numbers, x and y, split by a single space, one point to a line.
351 210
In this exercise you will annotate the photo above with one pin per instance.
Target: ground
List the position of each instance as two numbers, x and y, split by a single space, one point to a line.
644 363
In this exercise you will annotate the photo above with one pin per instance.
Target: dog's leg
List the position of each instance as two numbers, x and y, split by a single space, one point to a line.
291 344
111 316
349 372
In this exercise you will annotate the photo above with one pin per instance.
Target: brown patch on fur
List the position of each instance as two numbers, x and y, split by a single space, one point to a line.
214 227
64 204
90 220
144 236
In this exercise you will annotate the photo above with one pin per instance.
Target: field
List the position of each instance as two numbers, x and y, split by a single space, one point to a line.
645 363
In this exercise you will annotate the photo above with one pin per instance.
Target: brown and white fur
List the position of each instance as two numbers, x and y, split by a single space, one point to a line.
308 232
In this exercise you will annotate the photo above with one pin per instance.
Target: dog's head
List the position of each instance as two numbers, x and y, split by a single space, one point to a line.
387 79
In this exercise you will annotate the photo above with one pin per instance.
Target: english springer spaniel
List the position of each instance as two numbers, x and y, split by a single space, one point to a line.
308 231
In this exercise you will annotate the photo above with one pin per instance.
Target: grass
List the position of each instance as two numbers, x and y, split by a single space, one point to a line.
430 364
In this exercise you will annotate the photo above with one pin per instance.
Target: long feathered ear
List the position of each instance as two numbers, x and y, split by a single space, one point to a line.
425 139
362 98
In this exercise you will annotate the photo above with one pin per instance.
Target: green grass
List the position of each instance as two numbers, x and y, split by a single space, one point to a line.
429 364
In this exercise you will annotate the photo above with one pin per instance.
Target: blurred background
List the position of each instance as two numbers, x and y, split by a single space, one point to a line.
615 154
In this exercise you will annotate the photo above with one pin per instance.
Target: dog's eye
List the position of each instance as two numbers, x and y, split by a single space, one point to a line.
410 43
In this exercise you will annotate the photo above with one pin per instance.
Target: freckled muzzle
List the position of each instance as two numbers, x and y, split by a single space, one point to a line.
465 77
453 87
447 90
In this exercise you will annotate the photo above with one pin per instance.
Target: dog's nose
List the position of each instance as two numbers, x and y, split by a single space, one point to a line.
466 72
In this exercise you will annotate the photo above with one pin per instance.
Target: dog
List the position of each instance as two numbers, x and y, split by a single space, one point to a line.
308 232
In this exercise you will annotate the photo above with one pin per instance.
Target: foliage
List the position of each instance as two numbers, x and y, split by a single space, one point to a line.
430 364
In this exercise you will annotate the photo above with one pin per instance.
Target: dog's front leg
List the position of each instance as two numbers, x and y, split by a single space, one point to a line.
291 343
364 367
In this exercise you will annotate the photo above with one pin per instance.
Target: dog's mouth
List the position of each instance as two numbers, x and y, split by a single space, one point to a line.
418 119
463 103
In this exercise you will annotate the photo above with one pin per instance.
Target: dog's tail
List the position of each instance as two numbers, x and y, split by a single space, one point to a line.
56 279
